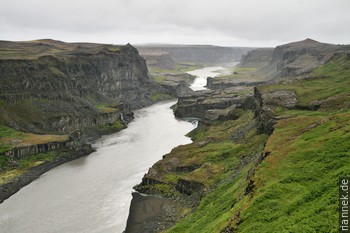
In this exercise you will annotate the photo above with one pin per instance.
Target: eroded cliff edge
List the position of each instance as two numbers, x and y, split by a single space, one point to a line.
51 91
68 86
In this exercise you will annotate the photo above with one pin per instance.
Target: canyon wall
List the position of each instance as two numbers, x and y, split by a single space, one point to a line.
63 87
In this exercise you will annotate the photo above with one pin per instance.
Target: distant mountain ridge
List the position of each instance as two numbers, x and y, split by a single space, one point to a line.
205 54
291 59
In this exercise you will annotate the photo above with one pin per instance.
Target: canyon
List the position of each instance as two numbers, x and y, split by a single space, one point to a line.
254 147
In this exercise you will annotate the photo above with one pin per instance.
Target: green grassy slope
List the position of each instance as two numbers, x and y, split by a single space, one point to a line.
295 188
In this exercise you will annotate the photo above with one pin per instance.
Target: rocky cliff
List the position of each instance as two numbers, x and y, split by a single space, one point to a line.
51 86
257 58
198 103
291 59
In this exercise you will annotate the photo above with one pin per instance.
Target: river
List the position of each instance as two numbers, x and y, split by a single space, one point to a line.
92 194
200 81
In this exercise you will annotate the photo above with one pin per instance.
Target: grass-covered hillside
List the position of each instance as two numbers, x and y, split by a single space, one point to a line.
238 179
296 186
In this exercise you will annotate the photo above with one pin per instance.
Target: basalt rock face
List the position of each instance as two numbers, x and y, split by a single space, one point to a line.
291 59
197 103
257 58
63 87
300 57
222 83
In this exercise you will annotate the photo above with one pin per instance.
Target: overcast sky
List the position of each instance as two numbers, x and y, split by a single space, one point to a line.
219 22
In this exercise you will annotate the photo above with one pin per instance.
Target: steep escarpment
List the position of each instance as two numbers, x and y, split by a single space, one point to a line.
198 103
283 62
71 86
291 59
257 58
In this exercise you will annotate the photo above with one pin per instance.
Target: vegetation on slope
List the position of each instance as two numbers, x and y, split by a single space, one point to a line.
285 182
37 48
10 138
11 168
328 83
296 186
231 159
161 75
219 163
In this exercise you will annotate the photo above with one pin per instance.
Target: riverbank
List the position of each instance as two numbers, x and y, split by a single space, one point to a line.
98 187
151 213
12 186
25 164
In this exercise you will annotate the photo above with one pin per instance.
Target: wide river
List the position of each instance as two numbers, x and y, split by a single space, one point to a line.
92 194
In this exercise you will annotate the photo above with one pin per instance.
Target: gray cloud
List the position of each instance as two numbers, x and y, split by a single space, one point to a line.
222 22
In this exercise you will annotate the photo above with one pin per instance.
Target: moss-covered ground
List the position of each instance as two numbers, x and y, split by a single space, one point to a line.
295 187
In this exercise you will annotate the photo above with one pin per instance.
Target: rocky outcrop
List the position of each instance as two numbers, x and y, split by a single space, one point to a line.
224 83
291 59
26 151
300 57
141 219
196 104
66 124
226 114
257 58
188 187
75 141
264 103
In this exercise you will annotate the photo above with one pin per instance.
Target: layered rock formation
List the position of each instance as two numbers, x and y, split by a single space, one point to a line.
62 87
283 62
257 58
290 59
198 103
